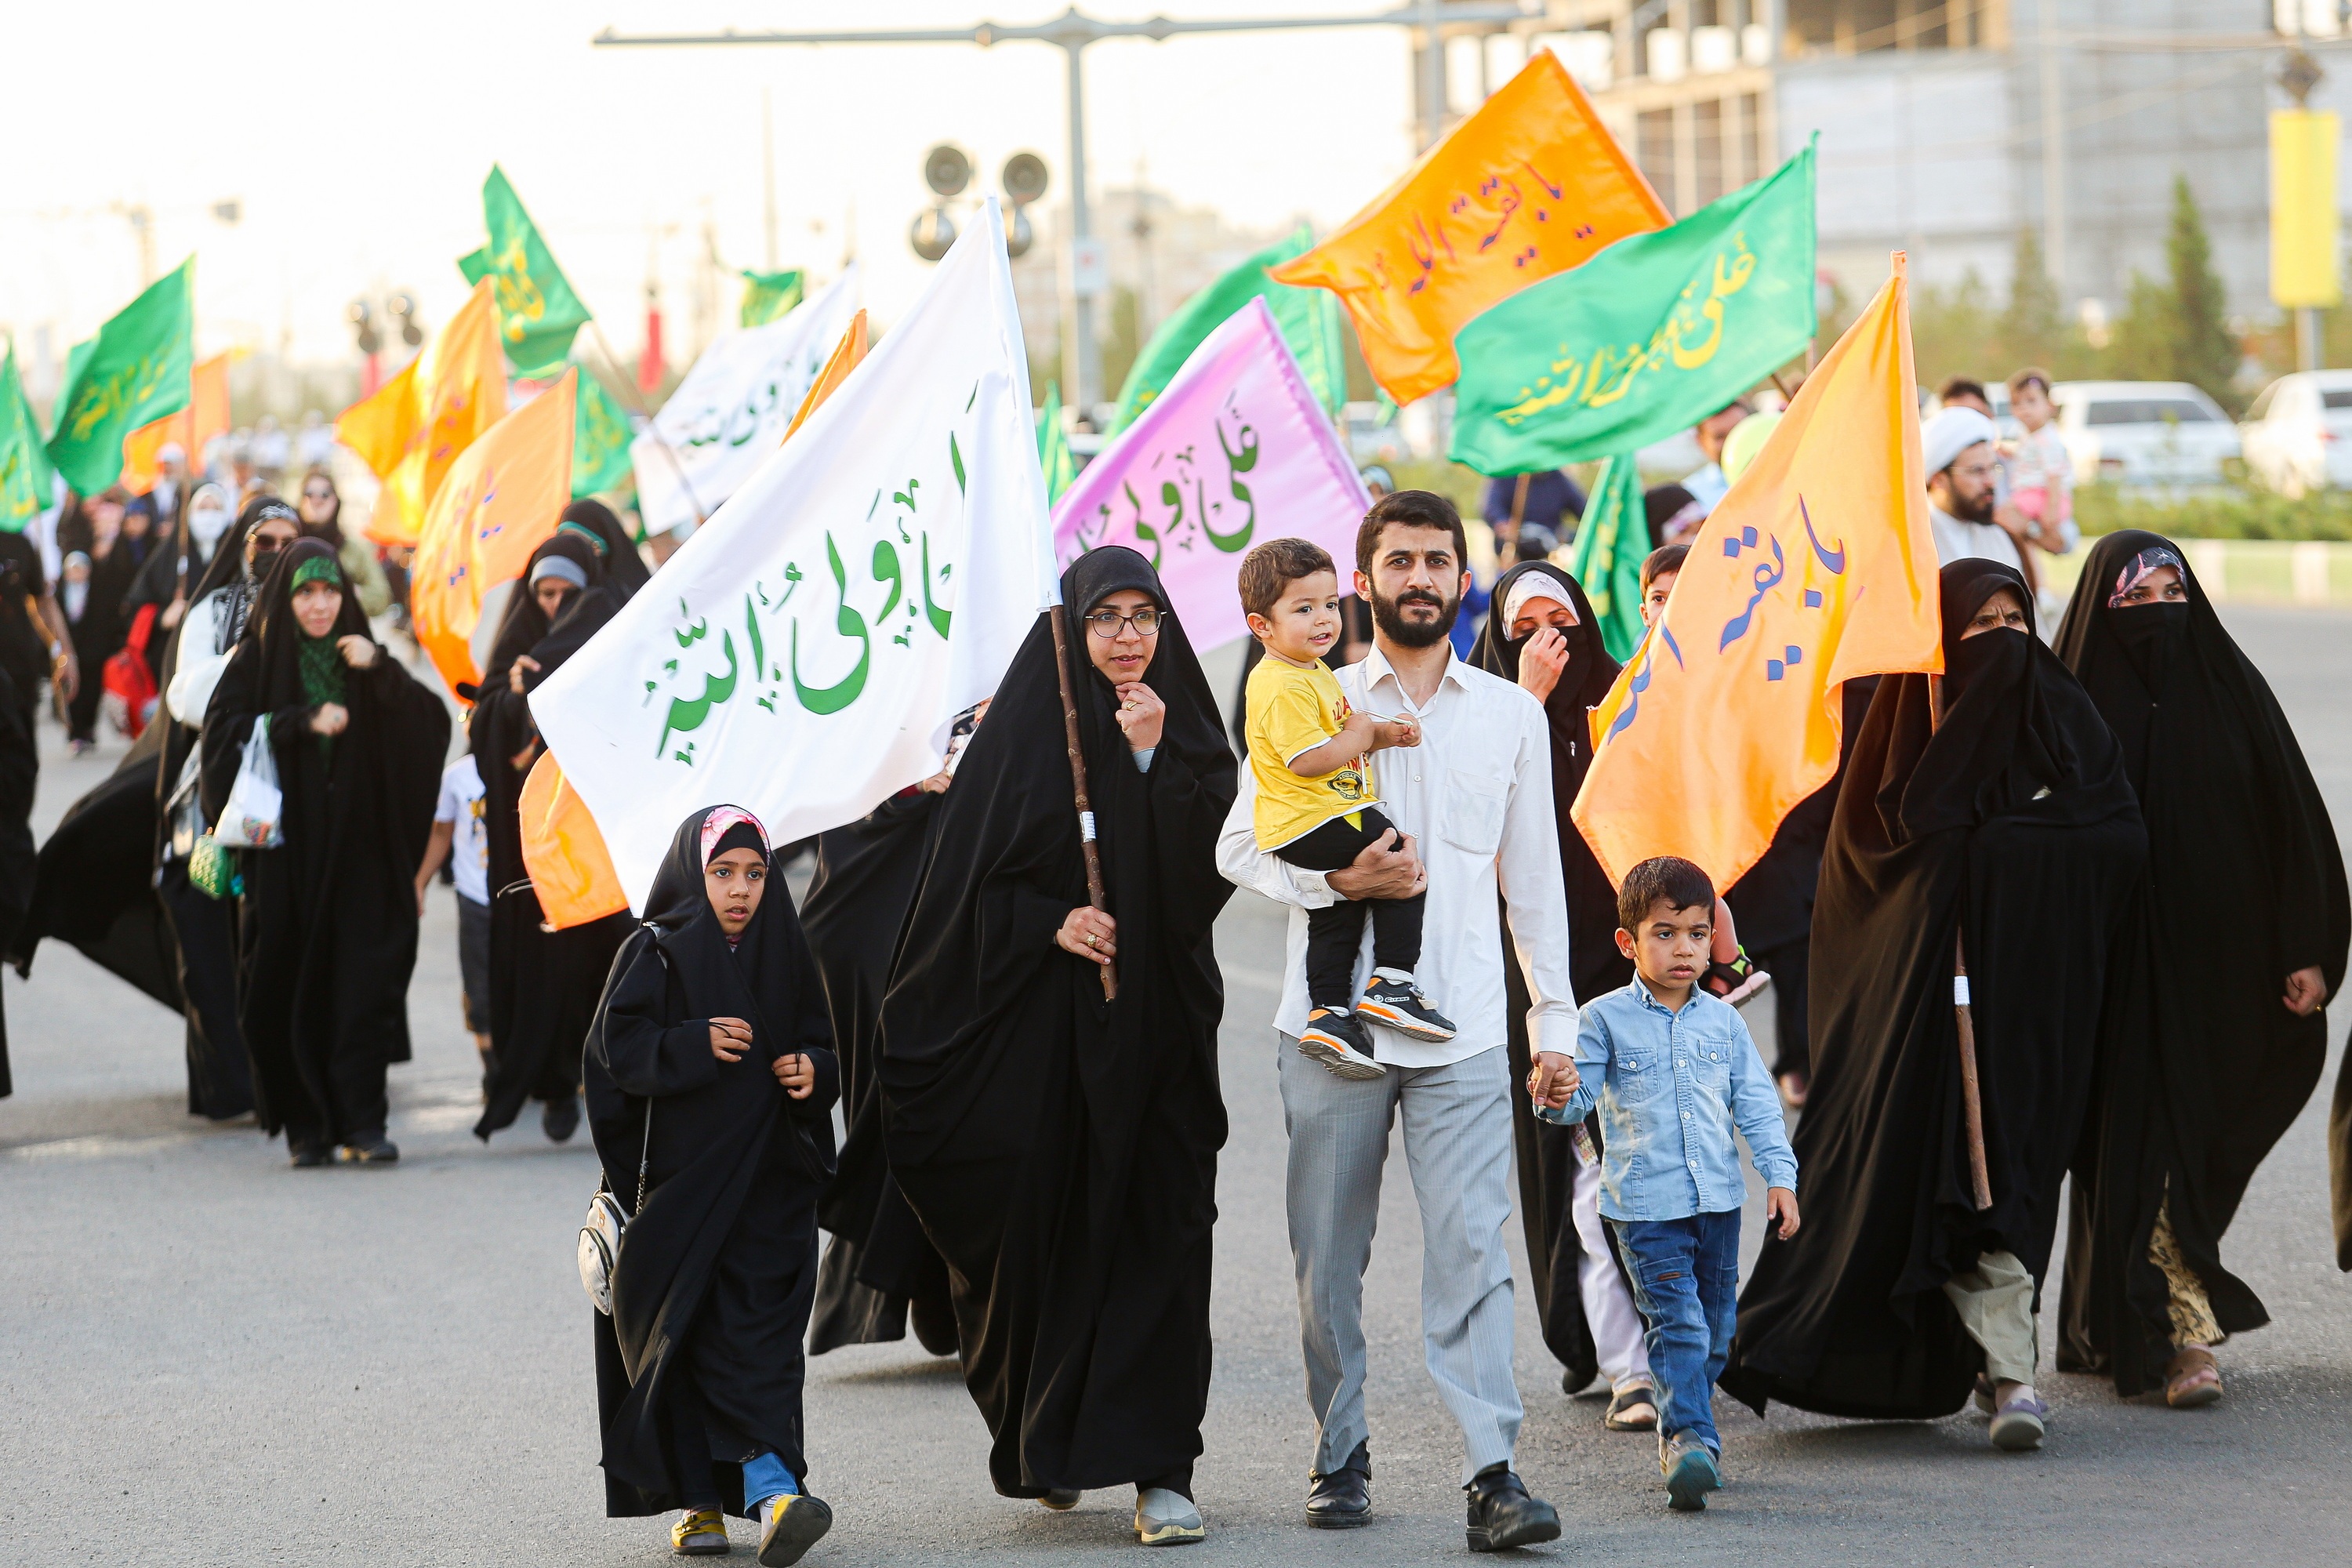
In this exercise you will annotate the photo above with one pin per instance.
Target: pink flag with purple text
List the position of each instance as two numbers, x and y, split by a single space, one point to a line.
1236 451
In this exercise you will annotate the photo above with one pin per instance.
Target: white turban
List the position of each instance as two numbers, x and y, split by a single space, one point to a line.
1949 434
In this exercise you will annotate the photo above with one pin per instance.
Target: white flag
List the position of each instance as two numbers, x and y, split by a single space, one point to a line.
730 411
805 653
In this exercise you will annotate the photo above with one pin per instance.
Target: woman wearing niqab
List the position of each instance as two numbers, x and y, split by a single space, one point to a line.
699 1368
2214 1035
2010 824
326 924
1547 1162
542 984
1060 1148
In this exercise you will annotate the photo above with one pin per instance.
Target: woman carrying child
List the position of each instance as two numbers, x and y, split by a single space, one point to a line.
1990 819
711 1083
2214 1032
1061 1148
327 925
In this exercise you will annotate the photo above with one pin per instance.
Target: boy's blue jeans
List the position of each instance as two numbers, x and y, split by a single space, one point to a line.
1685 1276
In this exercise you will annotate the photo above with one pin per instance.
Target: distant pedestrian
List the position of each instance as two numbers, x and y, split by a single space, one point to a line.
1531 514
1673 1073
1963 467
326 924
1708 485
2216 1031
461 837
711 1082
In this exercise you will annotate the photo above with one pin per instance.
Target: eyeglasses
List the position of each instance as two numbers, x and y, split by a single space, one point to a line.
1106 623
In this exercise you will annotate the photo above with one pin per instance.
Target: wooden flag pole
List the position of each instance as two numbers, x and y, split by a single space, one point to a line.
1078 787
1971 1093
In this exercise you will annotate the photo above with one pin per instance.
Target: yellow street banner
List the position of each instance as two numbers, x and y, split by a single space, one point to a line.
502 495
417 423
2303 270
1528 187
1817 568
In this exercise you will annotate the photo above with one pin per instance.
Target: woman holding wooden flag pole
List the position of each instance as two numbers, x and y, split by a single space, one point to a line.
1060 1145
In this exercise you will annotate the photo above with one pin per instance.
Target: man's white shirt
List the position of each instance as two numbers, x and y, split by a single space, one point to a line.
1476 795
1956 540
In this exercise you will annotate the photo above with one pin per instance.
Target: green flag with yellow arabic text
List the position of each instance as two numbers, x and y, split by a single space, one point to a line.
538 314
770 296
1612 542
1308 318
1647 339
600 433
136 371
26 484
1054 446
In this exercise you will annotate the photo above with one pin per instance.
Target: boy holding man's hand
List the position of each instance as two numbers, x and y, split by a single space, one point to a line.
1673 1070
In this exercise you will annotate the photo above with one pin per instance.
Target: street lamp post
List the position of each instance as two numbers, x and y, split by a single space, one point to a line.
1072 31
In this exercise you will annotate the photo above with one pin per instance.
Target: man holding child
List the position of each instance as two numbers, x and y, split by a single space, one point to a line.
1471 809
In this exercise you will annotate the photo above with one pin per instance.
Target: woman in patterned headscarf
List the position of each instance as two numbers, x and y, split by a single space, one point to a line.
2213 1035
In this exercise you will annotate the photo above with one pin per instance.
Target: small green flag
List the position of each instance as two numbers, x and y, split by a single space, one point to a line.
1309 319
1054 446
768 296
1612 542
27 487
600 440
135 371
538 314
1647 339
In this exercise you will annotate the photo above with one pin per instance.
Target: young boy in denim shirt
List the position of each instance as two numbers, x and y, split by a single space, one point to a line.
1673 1070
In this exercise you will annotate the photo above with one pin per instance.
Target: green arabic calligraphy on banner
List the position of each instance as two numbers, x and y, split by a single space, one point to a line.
600 433
27 485
135 371
817 635
1651 336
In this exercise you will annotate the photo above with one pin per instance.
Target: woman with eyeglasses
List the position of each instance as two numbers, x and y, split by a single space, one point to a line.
1060 1147
322 518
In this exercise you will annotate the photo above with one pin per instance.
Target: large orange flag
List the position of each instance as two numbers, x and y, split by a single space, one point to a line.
1531 185
502 495
414 425
205 416
563 848
1819 566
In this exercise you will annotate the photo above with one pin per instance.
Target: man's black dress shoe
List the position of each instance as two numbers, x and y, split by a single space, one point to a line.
1342 1499
1502 1514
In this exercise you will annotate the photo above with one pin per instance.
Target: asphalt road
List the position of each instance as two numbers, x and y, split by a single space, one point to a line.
209 1358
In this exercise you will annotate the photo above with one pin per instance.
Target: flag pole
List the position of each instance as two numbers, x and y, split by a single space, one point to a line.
1078 787
1971 1092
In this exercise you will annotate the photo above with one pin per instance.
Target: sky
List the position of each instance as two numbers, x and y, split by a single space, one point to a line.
356 138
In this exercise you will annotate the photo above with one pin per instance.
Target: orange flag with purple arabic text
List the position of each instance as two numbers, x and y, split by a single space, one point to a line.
563 848
501 497
1817 568
1529 186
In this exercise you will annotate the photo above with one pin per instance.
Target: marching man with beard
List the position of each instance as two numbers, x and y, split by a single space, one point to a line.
1474 814
1963 482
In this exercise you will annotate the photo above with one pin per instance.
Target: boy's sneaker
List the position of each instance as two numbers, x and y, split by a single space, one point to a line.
1691 1473
1401 1005
789 1526
1341 1043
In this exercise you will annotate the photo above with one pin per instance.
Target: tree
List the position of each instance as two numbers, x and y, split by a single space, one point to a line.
2033 329
2178 329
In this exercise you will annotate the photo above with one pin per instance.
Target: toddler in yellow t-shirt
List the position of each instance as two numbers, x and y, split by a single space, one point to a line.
1317 810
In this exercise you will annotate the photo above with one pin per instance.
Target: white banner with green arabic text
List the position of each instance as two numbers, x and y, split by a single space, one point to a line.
731 410
805 653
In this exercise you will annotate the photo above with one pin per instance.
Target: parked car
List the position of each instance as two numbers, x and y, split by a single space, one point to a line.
2298 434
2144 432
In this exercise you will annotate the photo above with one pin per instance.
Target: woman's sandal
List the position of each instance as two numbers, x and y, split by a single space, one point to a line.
1634 1408
2191 1380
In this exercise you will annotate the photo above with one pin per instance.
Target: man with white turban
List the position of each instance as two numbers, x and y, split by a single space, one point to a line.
1963 469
